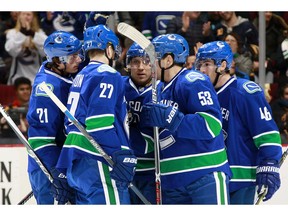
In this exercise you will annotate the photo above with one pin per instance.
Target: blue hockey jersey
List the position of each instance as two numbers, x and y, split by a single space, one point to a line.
97 100
251 135
46 133
141 138
197 147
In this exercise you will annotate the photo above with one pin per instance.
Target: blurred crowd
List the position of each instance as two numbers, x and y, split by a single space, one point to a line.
22 35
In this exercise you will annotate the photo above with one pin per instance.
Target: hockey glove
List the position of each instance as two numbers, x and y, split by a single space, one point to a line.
161 115
60 189
267 175
124 166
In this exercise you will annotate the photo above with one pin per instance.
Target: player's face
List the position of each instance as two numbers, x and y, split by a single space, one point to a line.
73 62
207 67
140 70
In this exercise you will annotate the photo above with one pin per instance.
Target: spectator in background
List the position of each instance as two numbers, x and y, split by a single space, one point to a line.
213 19
137 17
155 23
189 26
241 57
190 60
284 49
18 109
46 22
275 27
72 22
237 73
7 21
280 113
230 22
25 44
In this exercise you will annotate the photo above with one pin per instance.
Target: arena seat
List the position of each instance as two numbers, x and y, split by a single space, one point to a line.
7 94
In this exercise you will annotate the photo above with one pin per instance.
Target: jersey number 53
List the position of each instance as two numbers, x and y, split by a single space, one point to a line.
205 98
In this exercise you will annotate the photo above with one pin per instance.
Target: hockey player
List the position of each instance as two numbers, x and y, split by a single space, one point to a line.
251 136
97 101
193 160
46 121
138 91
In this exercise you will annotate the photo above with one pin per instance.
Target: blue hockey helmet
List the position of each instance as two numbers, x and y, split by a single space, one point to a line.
173 44
135 50
218 51
61 44
98 37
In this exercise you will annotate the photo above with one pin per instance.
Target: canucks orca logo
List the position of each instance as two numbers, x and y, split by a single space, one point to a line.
251 87
40 92
106 68
161 23
193 76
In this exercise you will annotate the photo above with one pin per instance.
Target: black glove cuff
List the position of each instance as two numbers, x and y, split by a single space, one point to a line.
27 32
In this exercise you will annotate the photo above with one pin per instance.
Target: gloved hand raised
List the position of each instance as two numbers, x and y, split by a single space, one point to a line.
161 115
267 175
124 166
60 189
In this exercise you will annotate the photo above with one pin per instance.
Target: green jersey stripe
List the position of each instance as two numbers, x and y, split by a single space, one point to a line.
98 122
149 143
193 162
38 142
145 164
243 173
213 124
267 138
111 193
79 140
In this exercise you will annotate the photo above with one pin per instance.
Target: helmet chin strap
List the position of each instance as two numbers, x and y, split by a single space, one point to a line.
163 69
217 76
110 61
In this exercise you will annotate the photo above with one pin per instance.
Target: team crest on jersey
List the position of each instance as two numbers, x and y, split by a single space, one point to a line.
40 92
193 76
251 87
105 68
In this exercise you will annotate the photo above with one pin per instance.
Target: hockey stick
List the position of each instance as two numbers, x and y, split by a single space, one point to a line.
29 149
87 135
30 152
262 194
26 198
144 43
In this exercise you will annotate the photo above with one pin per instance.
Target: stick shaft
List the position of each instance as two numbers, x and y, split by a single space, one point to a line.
144 43
26 198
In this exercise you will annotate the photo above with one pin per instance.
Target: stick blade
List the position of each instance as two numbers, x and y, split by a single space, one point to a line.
132 33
